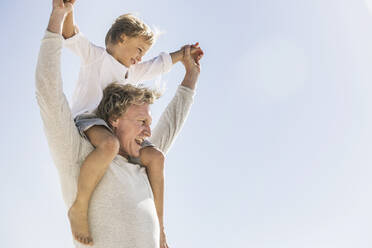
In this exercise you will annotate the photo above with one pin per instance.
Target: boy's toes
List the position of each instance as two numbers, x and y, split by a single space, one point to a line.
80 238
90 241
84 239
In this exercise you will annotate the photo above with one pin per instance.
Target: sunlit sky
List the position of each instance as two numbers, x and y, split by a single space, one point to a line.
276 151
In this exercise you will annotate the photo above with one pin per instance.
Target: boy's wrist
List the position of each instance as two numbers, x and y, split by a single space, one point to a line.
176 56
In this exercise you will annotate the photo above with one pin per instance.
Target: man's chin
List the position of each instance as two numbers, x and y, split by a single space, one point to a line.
135 154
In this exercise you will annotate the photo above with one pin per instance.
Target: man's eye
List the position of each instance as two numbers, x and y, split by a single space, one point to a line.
140 50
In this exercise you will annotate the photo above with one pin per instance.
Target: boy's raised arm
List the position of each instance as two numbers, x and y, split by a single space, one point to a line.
76 41
162 64
68 25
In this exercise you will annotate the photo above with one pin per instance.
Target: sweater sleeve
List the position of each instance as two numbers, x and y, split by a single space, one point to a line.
172 119
82 47
152 68
63 138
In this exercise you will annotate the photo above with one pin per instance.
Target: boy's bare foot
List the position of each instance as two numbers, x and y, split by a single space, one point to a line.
79 225
163 240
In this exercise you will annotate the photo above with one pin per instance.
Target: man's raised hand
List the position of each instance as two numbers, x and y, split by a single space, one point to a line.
59 12
62 7
192 66
191 57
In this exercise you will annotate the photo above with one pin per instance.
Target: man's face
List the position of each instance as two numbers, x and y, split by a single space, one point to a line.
132 128
131 50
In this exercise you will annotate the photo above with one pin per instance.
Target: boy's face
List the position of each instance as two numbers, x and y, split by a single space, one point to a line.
131 50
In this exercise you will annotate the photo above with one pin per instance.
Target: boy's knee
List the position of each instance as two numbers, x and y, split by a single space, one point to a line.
110 144
158 156
150 156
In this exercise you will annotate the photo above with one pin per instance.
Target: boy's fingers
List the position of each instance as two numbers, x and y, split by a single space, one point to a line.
195 45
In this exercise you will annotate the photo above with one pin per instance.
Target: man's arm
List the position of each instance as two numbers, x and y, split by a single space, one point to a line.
174 116
62 135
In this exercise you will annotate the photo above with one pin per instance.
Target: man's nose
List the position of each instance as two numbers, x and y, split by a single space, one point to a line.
139 58
147 131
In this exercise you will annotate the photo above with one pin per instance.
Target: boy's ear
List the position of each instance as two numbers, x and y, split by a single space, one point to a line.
123 38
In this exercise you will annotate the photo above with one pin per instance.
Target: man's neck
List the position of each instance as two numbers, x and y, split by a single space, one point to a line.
123 153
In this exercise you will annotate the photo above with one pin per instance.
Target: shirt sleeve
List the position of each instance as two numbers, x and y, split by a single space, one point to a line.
172 119
82 47
150 69
63 138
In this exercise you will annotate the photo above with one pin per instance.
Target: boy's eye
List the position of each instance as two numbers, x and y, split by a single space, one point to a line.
140 50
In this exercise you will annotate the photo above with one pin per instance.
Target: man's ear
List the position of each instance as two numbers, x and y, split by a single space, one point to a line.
114 123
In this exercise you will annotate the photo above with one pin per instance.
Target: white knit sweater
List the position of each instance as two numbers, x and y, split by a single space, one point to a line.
122 212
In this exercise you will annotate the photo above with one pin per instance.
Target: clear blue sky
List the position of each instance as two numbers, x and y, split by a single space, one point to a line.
276 151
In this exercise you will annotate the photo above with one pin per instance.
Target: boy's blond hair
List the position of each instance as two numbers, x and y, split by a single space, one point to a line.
118 97
131 26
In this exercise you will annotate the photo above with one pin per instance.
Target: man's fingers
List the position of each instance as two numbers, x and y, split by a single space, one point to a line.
61 3
187 50
57 3
196 50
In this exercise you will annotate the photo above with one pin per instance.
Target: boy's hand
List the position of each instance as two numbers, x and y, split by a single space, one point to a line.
179 55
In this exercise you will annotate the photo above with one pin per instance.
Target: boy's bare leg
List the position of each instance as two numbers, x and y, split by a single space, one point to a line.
153 160
91 172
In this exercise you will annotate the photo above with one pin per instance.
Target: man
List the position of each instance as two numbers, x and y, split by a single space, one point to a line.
122 212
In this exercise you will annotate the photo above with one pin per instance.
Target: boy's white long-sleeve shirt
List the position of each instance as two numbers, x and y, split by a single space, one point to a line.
99 69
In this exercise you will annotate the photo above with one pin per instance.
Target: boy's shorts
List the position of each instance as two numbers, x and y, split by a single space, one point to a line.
85 121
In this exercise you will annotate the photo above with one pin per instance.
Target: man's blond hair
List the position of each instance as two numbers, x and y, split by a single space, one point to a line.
131 26
117 98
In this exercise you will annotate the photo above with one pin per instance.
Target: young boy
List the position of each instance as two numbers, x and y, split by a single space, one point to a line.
127 41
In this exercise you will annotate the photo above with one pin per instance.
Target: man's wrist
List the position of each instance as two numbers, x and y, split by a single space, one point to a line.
190 79
55 22
58 13
192 74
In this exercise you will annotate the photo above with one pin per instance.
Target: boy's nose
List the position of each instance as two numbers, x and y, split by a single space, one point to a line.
139 58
